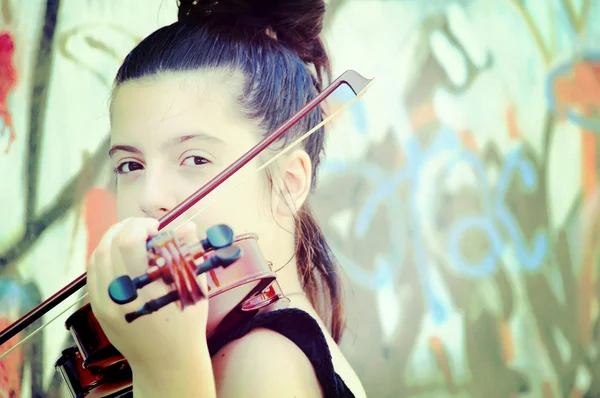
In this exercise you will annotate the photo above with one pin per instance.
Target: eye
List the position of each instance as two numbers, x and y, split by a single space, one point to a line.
194 161
128 167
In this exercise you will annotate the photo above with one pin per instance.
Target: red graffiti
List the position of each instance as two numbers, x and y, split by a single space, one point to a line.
10 366
580 89
100 214
8 81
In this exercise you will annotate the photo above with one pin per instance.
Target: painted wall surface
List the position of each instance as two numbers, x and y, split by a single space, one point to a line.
460 194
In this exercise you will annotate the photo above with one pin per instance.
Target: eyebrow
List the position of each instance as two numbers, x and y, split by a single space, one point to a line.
169 143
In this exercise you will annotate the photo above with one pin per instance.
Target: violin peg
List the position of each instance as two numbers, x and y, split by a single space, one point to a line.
227 256
122 290
152 306
223 258
218 237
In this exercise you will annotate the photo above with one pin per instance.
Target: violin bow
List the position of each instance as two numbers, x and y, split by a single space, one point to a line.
357 83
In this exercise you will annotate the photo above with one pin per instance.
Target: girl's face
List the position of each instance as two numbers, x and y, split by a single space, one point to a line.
170 134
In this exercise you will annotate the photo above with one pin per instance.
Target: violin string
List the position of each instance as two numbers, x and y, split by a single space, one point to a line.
266 164
36 331
283 152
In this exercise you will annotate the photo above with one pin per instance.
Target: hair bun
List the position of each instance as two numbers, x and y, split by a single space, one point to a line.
296 23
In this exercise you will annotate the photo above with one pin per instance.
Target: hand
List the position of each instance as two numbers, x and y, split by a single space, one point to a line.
155 340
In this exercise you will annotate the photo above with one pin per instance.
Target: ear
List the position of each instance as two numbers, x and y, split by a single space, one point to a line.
293 183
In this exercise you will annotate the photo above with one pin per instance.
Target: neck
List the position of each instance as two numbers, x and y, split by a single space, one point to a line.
288 280
280 249
287 276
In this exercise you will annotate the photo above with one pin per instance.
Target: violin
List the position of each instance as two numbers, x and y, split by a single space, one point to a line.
240 281
94 367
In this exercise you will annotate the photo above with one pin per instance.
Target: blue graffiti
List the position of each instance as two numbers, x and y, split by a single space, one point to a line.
13 295
530 256
489 263
385 194
370 280
483 223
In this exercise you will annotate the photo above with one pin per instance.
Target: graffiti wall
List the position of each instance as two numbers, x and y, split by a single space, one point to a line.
460 195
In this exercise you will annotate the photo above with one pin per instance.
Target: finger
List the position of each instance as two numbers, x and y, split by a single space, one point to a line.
107 239
187 233
98 269
129 254
203 282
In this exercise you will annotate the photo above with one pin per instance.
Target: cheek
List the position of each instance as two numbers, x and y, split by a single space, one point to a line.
127 204
245 209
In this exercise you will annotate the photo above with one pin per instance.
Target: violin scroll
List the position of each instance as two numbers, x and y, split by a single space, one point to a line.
175 264
223 258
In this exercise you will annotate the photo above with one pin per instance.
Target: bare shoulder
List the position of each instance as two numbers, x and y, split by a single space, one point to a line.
266 364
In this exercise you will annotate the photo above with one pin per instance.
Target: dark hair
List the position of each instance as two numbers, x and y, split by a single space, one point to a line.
275 44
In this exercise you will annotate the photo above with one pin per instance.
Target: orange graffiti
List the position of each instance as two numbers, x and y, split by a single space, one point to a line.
589 175
468 140
511 123
8 81
100 212
589 182
423 115
547 390
437 346
506 341
576 393
588 278
10 366
580 89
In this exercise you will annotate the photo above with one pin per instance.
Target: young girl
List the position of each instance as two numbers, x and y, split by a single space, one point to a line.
188 101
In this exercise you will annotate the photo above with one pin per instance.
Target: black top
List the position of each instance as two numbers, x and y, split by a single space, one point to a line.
302 329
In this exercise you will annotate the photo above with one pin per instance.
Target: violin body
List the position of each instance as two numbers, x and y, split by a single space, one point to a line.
95 368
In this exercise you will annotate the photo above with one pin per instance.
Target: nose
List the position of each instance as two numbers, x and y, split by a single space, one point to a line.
157 197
